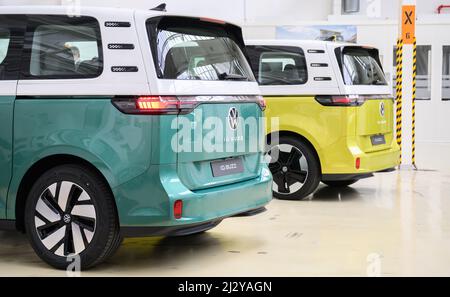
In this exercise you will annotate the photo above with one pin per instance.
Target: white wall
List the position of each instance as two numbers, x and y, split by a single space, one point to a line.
383 9
239 11
30 2
389 9
263 11
257 11
432 116
430 6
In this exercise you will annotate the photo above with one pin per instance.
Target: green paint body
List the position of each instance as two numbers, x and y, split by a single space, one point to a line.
134 154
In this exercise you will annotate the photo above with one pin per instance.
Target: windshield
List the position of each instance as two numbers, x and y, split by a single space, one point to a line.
189 49
360 67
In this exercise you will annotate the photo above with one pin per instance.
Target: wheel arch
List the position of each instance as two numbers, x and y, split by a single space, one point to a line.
295 135
36 170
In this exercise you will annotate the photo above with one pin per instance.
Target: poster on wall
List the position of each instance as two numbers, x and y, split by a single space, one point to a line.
342 33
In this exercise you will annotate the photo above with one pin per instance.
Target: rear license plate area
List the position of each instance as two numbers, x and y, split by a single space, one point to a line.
227 167
377 140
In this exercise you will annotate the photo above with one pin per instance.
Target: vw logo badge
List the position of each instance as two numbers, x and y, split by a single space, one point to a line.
67 219
382 109
233 116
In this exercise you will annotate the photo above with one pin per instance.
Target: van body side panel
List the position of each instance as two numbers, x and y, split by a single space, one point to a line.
164 129
337 133
118 145
144 178
12 30
322 127
6 119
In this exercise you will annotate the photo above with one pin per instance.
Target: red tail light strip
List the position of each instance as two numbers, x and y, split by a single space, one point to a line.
349 100
160 105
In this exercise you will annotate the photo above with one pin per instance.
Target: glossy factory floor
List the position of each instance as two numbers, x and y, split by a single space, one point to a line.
394 224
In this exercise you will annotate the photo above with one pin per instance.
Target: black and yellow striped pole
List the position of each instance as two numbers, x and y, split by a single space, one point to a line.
406 84
413 122
398 97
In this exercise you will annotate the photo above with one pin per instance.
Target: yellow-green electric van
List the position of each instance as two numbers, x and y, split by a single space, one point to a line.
333 113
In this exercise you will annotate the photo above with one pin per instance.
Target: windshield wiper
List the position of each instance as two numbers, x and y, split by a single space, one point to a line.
226 76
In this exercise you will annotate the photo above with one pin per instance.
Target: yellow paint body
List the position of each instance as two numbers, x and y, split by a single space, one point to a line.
339 134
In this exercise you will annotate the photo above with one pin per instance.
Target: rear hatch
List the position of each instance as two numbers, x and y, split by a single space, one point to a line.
374 124
365 81
221 149
219 137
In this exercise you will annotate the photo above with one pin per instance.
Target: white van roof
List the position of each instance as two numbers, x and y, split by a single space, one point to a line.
141 82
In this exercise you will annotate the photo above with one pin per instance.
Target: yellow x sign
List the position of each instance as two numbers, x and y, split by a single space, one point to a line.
408 23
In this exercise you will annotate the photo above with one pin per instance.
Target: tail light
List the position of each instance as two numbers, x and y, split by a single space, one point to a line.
161 105
178 209
155 105
358 163
351 100
261 102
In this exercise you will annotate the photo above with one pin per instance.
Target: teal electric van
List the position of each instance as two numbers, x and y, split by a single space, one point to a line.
124 123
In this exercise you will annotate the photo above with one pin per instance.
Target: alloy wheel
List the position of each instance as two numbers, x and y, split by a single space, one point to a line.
65 218
289 168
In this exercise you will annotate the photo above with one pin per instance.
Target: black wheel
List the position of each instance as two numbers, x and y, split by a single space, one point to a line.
70 215
340 183
295 169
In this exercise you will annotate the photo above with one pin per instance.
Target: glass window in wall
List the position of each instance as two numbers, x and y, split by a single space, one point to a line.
446 73
423 79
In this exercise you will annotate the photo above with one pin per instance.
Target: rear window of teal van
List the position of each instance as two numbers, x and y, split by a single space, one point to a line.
192 49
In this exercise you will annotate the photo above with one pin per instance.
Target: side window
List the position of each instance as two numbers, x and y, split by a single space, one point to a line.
273 65
11 42
60 47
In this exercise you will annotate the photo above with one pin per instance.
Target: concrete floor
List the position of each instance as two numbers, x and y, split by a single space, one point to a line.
393 224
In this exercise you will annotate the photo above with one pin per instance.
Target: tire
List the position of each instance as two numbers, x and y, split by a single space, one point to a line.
340 183
296 171
70 211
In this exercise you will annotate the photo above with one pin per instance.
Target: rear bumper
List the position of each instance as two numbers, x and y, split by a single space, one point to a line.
343 161
343 177
379 161
353 176
147 201
179 230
